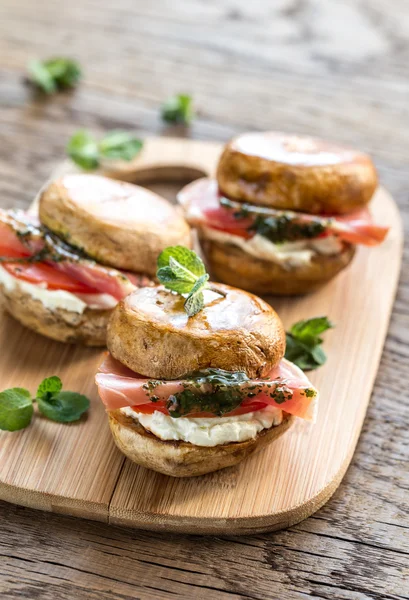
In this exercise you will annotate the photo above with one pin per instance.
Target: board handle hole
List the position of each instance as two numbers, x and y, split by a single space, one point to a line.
165 180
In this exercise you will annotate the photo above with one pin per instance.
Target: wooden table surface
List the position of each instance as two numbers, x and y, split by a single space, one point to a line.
334 69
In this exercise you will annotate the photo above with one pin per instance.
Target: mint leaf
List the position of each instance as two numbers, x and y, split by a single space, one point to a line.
120 145
303 346
178 109
63 407
83 150
308 330
168 278
195 301
181 270
185 257
16 405
48 387
65 72
86 152
16 409
194 304
53 74
41 77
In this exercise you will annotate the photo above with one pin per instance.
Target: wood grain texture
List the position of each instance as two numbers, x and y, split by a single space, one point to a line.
273 489
334 69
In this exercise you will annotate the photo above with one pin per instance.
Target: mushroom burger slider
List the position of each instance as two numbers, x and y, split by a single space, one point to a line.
195 380
94 242
285 212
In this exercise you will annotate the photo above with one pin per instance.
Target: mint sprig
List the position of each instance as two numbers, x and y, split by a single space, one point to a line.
16 405
88 153
54 74
303 346
48 388
178 110
83 150
181 270
16 409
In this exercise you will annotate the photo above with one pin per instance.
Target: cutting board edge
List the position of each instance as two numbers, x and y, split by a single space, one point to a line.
246 525
53 503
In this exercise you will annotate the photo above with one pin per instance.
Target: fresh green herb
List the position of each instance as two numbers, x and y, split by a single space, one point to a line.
48 388
16 405
16 409
83 150
57 405
120 145
88 153
178 110
181 270
64 407
195 300
54 74
304 343
277 226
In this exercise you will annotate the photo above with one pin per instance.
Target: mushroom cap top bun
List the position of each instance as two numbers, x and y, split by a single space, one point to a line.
294 172
150 332
116 223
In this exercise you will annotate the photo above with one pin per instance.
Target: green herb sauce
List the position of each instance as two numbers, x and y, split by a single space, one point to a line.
216 391
278 228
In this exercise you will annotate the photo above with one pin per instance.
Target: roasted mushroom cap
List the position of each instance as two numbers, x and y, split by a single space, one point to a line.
116 223
293 172
151 333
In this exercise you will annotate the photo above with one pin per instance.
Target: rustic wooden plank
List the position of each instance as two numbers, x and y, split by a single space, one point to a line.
314 561
338 70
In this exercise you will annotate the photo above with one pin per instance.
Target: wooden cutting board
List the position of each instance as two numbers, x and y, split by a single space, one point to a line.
76 469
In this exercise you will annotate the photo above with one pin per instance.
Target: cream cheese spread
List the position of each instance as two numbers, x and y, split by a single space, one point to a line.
208 431
287 254
56 299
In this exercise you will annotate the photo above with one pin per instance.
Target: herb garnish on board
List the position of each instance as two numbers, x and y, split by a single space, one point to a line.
304 343
54 74
178 110
88 153
16 405
275 225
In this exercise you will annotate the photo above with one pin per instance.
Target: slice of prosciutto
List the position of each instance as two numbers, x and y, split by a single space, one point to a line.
22 237
201 201
119 387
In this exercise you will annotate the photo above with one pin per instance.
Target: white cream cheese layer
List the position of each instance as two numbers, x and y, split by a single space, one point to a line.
54 299
208 432
288 254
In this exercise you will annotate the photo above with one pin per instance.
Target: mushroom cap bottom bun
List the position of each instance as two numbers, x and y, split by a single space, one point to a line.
151 334
116 223
234 266
182 459
88 328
